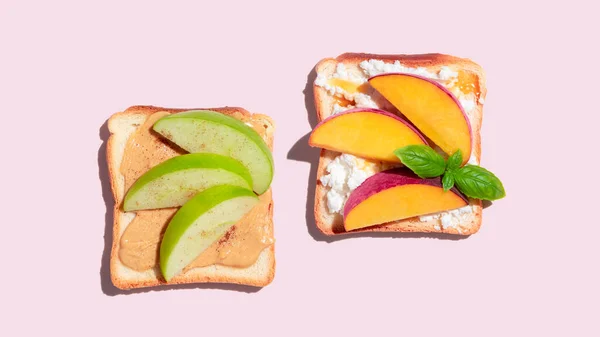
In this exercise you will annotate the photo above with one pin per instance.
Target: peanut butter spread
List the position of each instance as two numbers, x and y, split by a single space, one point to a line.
140 243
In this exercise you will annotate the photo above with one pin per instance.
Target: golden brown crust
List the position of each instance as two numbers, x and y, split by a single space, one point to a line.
196 275
430 60
333 224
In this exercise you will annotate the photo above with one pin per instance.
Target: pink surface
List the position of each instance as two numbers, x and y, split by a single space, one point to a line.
532 270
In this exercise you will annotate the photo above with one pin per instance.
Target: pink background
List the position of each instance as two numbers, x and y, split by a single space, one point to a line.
531 270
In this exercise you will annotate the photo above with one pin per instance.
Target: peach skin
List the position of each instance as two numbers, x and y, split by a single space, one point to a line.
397 194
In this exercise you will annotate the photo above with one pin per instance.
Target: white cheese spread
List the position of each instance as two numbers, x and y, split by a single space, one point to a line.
342 73
365 101
449 219
338 108
467 104
344 174
324 83
445 76
377 67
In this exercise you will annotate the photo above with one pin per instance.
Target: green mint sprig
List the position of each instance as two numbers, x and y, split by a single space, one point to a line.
472 180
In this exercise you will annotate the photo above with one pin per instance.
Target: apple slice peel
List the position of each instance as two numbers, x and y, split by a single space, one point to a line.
206 131
199 223
176 180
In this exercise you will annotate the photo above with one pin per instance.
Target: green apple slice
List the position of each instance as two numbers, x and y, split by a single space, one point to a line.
176 180
210 131
199 223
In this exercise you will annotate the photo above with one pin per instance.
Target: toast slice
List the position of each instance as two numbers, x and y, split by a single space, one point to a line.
121 126
453 72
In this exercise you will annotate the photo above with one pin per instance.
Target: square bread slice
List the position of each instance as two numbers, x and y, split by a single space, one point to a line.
121 126
457 74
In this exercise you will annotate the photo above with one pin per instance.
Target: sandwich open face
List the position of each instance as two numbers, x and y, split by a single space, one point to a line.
192 197
368 105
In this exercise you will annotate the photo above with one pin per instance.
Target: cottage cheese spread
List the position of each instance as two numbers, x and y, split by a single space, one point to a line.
445 76
346 172
338 108
449 219
366 101
377 67
342 74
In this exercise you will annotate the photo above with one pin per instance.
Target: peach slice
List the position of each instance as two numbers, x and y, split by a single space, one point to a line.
395 195
433 109
366 133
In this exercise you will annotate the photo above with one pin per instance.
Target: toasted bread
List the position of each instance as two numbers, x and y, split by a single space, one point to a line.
332 223
121 125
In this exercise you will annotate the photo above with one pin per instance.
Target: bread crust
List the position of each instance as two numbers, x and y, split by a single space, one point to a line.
332 224
259 274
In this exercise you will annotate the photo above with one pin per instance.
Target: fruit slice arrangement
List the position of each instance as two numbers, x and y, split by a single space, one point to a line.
209 131
213 183
418 189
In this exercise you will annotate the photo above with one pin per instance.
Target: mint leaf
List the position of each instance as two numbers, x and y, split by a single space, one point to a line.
422 160
454 161
448 180
477 182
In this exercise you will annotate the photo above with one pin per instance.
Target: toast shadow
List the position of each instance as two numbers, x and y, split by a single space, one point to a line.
301 151
106 284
